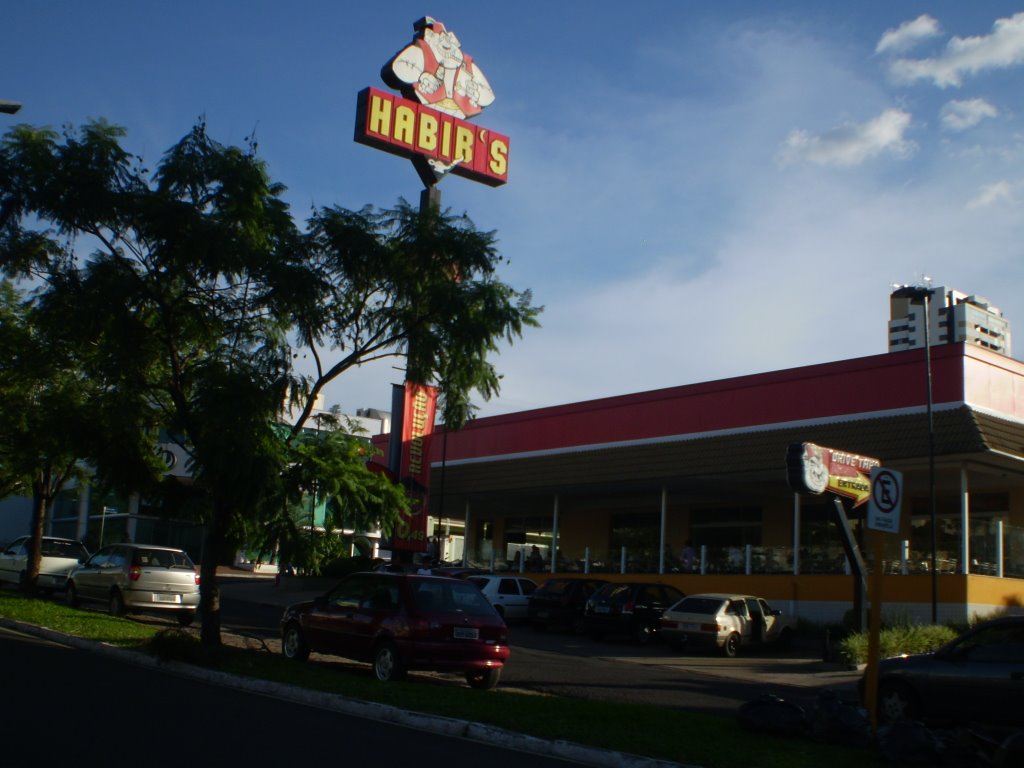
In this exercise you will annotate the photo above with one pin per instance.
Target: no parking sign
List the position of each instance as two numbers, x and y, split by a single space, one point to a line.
886 500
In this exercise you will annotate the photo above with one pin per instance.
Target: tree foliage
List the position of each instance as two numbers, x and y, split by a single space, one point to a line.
181 296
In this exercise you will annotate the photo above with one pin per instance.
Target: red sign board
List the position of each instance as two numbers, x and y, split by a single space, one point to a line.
409 129
417 425
816 469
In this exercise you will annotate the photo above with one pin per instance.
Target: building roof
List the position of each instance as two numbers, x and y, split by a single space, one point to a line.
729 438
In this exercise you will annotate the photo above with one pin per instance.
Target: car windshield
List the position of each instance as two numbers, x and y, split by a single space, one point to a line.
442 596
162 558
708 606
62 548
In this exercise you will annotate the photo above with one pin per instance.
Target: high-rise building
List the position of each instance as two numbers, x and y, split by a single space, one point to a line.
953 317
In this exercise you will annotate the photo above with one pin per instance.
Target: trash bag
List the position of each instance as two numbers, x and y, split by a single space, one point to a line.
836 721
771 714
908 742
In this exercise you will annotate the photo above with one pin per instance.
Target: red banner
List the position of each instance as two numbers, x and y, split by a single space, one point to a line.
417 425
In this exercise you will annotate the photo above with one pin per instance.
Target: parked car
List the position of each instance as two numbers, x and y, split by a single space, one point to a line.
401 622
560 602
138 578
510 595
632 608
57 558
726 622
976 678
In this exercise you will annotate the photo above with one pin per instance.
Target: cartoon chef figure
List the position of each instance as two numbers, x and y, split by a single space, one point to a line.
435 69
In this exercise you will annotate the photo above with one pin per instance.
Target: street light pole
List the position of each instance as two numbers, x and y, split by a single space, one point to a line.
923 294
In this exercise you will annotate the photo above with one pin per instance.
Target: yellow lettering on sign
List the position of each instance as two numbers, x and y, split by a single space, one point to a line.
463 145
446 139
405 125
426 139
498 164
380 116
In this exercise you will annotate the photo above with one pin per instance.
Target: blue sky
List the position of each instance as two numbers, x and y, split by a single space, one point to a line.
697 190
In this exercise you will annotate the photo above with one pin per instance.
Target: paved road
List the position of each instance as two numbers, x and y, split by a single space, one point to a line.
90 709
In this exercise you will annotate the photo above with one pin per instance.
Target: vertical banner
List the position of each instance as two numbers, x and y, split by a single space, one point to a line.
418 414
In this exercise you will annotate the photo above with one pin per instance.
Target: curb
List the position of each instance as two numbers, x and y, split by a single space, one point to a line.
445 726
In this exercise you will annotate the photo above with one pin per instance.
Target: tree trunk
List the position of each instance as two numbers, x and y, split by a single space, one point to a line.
209 591
36 525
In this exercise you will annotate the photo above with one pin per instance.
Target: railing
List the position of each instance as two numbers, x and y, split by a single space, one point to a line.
999 552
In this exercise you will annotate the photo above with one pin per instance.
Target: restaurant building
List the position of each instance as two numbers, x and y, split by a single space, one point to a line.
619 486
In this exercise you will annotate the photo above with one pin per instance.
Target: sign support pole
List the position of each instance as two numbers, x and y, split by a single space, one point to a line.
874 630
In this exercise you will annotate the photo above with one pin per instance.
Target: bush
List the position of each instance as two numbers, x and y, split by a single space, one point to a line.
182 645
895 641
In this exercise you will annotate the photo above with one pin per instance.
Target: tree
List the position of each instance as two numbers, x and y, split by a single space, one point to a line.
419 284
46 420
188 287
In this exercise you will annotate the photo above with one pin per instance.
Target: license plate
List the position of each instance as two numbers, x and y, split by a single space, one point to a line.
542 614
602 609
166 598
691 627
467 633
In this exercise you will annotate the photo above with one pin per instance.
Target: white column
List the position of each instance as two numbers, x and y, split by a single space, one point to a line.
465 539
84 490
661 540
554 538
796 534
965 523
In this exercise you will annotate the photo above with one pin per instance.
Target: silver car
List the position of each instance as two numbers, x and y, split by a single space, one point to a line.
138 577
57 557
726 622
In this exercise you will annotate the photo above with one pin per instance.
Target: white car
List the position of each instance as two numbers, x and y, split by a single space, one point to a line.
510 595
57 558
726 622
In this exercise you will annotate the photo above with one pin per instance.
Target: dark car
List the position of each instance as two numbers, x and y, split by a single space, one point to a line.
978 677
560 602
401 622
632 608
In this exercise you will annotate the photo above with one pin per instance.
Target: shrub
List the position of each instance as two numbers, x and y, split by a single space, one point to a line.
895 641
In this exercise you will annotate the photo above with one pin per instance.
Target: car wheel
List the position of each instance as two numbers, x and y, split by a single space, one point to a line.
732 645
483 679
293 644
897 701
386 664
185 618
643 634
71 595
116 605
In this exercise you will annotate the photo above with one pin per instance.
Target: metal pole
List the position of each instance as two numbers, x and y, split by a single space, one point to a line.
931 457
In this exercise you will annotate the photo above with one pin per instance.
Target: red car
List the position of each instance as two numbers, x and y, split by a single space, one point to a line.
401 622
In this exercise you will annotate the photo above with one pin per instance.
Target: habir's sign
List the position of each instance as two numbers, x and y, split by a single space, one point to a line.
441 87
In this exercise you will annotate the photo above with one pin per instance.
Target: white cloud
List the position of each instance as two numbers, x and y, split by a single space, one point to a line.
961 115
992 194
852 144
1002 49
908 34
